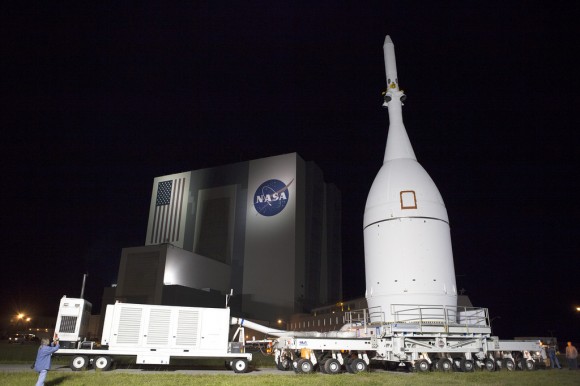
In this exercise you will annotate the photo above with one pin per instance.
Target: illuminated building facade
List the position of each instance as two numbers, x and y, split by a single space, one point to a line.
268 229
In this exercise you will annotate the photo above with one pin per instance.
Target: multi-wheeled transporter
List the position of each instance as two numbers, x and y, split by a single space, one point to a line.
459 341
149 333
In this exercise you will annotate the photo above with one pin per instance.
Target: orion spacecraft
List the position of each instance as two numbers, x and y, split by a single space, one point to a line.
407 241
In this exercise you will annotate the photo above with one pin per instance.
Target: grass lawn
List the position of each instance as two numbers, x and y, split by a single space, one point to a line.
540 377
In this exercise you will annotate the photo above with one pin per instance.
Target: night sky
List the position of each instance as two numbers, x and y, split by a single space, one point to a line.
98 99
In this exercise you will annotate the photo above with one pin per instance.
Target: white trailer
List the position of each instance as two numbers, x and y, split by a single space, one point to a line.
152 334
420 339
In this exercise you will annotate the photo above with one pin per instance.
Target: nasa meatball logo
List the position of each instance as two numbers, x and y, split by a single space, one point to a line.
271 197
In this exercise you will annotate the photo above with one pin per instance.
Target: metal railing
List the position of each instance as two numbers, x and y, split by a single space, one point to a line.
364 316
446 316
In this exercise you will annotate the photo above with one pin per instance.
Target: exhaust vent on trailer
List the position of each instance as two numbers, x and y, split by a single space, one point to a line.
129 325
67 324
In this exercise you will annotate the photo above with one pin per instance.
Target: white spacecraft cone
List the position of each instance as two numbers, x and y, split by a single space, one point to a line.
408 255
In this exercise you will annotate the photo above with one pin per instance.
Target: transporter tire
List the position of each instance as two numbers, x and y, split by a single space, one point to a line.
445 365
79 362
305 366
508 364
422 366
467 365
435 365
332 366
527 364
321 366
240 365
347 363
103 363
358 366
284 364
489 364
295 366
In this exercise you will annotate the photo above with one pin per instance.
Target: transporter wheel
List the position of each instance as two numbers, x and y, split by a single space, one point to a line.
332 366
422 366
435 365
445 365
467 365
489 364
103 363
508 364
295 366
79 362
358 366
527 364
284 364
240 365
457 364
321 366
347 363
305 366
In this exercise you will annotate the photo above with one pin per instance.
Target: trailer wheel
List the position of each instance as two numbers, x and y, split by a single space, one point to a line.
435 365
240 365
295 366
102 363
79 362
457 364
422 366
332 366
321 366
347 363
284 364
508 364
527 364
489 364
445 365
467 365
358 366
305 366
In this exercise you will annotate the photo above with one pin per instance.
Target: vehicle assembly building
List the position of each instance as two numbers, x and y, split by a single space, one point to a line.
268 229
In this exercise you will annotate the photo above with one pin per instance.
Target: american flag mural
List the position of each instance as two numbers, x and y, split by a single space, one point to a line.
167 216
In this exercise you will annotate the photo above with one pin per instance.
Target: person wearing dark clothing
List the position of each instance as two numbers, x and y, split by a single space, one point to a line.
43 358
554 362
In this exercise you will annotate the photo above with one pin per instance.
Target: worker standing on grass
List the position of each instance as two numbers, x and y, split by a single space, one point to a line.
554 362
43 358
571 355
